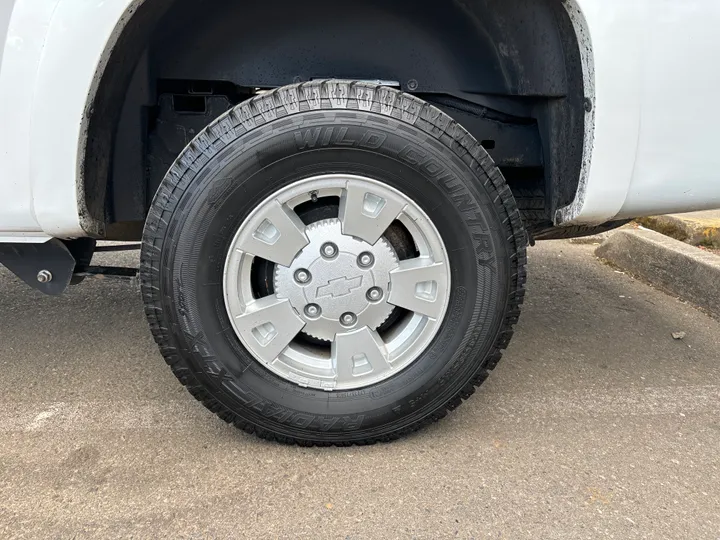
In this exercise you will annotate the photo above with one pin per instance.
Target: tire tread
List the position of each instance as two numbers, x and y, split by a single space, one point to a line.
430 120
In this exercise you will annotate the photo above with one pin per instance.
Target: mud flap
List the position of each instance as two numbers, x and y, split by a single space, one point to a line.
46 267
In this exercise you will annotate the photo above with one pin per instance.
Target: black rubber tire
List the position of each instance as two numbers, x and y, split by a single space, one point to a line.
300 131
531 203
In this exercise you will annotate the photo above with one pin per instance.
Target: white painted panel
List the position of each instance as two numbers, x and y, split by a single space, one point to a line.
611 35
6 7
21 56
51 54
74 47
678 158
654 147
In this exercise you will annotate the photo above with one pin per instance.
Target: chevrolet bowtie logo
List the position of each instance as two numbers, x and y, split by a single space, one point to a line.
341 286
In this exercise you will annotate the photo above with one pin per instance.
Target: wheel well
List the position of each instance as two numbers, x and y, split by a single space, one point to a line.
509 70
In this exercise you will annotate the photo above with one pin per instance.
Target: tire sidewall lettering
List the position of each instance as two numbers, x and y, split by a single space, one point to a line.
443 192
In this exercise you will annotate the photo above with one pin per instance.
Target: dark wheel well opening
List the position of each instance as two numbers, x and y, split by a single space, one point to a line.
508 70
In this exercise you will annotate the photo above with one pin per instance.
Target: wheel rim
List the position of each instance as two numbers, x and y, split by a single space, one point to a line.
335 283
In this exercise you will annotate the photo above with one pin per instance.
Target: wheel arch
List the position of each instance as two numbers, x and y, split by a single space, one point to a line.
520 49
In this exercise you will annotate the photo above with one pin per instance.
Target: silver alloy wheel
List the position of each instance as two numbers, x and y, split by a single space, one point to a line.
337 280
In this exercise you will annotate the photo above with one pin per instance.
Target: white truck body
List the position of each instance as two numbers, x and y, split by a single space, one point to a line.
650 141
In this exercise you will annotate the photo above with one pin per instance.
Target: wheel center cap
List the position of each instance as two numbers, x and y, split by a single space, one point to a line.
337 295
337 282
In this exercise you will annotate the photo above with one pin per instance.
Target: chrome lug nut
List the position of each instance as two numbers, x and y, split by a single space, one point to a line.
374 294
302 276
329 250
348 319
365 260
313 311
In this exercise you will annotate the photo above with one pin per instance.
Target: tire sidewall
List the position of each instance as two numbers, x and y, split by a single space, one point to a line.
217 197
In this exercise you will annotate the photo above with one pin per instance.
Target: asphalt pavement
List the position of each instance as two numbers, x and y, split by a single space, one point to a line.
596 423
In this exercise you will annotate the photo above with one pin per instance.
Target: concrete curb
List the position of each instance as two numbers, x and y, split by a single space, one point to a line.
680 269
696 228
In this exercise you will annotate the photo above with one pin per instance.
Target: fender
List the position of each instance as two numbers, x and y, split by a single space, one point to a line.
609 39
53 52
21 25
67 75
61 70
654 147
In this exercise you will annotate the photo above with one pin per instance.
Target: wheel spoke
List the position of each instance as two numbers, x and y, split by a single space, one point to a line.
367 213
268 326
419 285
277 234
358 353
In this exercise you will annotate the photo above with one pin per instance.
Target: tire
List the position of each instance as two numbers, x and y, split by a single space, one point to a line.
331 128
531 203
